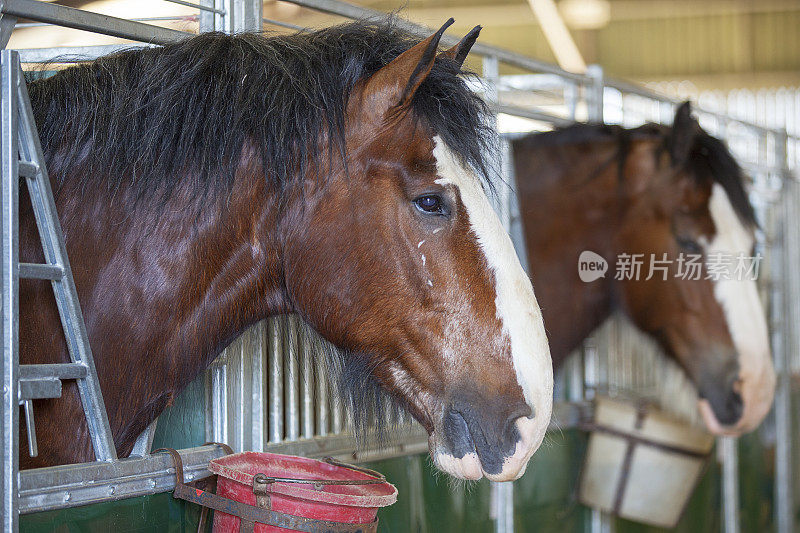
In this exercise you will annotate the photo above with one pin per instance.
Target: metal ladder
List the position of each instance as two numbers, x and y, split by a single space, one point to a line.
22 158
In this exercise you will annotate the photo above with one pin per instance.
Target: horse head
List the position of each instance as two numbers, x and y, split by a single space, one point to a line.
689 203
397 257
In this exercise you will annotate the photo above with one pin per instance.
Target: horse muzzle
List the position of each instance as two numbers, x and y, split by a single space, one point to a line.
495 441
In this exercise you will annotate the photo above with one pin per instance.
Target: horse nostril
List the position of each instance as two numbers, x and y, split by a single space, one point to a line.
457 435
727 405
523 410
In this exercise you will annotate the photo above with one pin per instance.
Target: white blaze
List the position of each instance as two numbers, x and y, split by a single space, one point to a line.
743 313
516 304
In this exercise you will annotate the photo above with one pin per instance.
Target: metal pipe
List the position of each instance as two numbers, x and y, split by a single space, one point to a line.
201 7
288 25
78 19
136 19
258 387
788 313
292 379
730 484
275 378
321 380
596 89
306 386
9 492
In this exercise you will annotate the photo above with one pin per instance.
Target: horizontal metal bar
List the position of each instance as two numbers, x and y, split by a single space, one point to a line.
58 370
39 388
283 24
59 487
94 22
198 6
137 19
28 170
530 114
40 271
74 54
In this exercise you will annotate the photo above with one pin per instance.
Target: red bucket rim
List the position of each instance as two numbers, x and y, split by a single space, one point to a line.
240 467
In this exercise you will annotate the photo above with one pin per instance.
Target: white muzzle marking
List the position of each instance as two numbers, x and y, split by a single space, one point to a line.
745 319
517 310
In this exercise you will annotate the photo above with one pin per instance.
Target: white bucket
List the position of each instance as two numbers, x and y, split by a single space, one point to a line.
642 464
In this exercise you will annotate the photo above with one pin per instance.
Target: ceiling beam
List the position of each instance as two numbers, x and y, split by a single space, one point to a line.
558 37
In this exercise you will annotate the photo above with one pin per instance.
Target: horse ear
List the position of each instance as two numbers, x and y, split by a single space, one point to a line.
459 52
682 136
401 78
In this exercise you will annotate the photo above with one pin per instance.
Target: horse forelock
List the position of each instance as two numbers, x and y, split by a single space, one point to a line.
147 118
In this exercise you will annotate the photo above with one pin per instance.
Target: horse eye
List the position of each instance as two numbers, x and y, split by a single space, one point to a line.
429 203
689 245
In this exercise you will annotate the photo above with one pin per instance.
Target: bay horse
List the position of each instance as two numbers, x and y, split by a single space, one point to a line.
340 175
665 191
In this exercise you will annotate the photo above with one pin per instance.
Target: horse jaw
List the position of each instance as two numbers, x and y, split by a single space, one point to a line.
520 316
746 322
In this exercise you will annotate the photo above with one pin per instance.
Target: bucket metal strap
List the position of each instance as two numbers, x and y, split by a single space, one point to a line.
249 515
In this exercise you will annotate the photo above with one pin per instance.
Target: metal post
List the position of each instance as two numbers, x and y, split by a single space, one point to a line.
595 96
502 506
321 380
276 343
292 379
10 260
784 498
258 386
306 385
247 15
730 484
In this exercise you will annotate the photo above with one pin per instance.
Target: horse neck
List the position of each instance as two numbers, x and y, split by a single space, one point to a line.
164 288
569 202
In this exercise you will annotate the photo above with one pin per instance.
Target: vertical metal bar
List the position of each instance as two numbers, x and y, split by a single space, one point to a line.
321 380
571 99
206 19
219 401
784 497
596 90
292 380
238 405
258 389
66 295
276 342
502 507
306 386
10 262
730 484
247 15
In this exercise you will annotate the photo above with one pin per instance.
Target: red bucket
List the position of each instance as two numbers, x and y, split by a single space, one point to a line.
355 504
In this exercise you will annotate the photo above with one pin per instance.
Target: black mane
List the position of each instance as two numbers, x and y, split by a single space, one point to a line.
709 157
154 116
